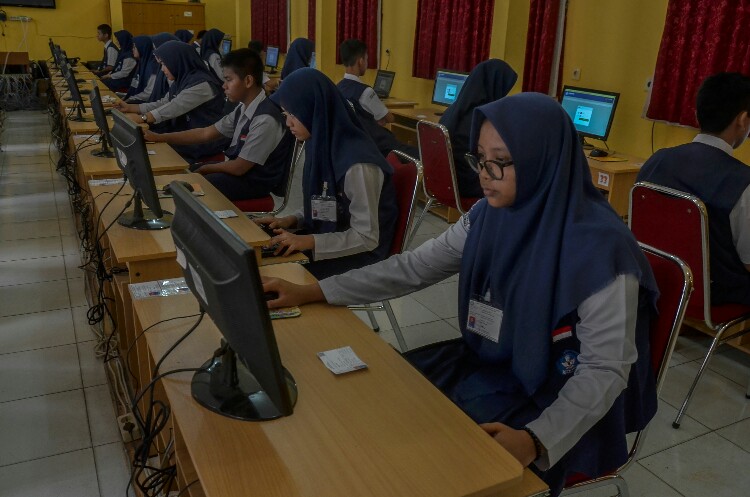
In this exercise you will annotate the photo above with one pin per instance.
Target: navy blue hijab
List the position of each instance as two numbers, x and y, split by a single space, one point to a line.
125 40
558 244
337 140
161 84
186 66
298 56
147 65
183 35
210 43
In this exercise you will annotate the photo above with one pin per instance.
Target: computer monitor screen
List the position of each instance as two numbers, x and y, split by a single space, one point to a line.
75 93
101 121
132 157
246 380
591 111
384 83
448 85
226 46
313 63
272 56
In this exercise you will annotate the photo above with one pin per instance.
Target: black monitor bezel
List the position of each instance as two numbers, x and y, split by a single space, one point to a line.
434 85
278 52
611 115
392 75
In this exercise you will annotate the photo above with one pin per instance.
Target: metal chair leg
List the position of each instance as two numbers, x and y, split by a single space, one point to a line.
396 328
373 321
715 343
415 228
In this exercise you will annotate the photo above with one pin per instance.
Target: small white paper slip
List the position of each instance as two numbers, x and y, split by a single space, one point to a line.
225 214
161 288
152 152
106 182
340 361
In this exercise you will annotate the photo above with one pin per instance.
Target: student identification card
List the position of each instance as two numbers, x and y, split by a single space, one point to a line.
484 320
323 208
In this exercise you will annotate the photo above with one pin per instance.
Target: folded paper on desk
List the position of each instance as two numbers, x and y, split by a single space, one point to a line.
343 360
106 182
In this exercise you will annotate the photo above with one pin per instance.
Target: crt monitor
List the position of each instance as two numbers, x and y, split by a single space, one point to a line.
272 57
383 83
245 378
226 46
75 93
591 111
101 121
448 85
132 157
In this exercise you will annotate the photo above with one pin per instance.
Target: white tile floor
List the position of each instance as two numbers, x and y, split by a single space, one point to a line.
58 436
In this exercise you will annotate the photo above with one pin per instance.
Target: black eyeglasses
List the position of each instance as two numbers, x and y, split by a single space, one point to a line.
491 166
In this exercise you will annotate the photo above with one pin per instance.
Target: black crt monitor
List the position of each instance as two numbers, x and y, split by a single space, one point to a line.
100 116
132 157
75 93
272 58
591 111
383 83
226 46
448 85
245 378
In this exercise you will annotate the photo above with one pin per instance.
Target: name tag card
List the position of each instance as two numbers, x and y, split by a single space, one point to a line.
323 208
484 320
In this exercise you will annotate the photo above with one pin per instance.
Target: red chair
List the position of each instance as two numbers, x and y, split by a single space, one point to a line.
407 173
677 223
675 286
439 172
266 204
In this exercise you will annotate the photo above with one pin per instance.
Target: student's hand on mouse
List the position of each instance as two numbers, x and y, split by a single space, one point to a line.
517 442
288 243
150 136
291 294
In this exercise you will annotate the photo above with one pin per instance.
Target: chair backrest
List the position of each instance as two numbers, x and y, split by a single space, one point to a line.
436 155
676 223
407 172
299 147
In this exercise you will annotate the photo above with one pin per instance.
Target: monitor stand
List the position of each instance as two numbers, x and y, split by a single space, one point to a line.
143 219
79 115
228 388
105 151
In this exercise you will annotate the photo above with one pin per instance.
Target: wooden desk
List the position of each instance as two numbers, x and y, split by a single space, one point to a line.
383 431
87 127
616 179
398 103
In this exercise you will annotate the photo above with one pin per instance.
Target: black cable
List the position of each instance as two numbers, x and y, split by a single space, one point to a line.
187 486
178 342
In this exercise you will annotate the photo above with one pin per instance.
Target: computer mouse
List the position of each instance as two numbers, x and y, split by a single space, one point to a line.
597 152
168 189
270 296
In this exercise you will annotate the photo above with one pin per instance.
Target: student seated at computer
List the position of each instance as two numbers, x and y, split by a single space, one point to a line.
194 99
197 41
142 85
184 35
210 45
126 66
370 110
268 84
104 35
706 168
487 82
555 298
350 209
161 83
260 153
298 55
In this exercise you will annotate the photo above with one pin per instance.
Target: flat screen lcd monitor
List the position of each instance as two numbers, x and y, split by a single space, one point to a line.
448 85
132 157
101 121
226 46
591 111
245 378
383 83
272 56
45 4
75 93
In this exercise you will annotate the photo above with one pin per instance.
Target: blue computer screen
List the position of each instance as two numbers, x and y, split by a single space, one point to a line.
272 56
448 85
226 46
590 110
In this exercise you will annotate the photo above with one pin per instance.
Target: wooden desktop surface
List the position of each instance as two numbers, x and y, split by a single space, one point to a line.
382 431
164 161
398 103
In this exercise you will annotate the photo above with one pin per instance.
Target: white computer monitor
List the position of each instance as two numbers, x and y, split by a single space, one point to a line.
591 111
447 87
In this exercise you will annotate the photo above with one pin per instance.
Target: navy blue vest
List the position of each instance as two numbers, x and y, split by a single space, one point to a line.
104 58
275 171
202 116
120 83
718 179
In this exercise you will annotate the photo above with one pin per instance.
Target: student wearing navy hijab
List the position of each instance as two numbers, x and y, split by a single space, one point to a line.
298 55
349 200
143 82
125 66
184 35
210 51
489 80
161 83
195 99
555 298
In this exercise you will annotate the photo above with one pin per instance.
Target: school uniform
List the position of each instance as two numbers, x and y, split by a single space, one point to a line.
258 135
348 194
210 51
125 67
370 109
142 85
110 55
298 56
161 83
184 35
705 168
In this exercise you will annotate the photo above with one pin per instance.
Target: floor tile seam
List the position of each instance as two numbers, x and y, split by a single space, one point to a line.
84 387
730 440
659 478
91 448
37 312
35 349
677 445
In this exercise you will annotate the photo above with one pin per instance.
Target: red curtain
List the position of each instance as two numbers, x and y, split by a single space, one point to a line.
451 34
358 19
701 37
268 22
311 20
540 45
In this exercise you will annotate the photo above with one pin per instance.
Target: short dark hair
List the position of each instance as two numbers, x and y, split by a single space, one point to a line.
200 34
245 62
256 45
721 98
105 29
351 50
